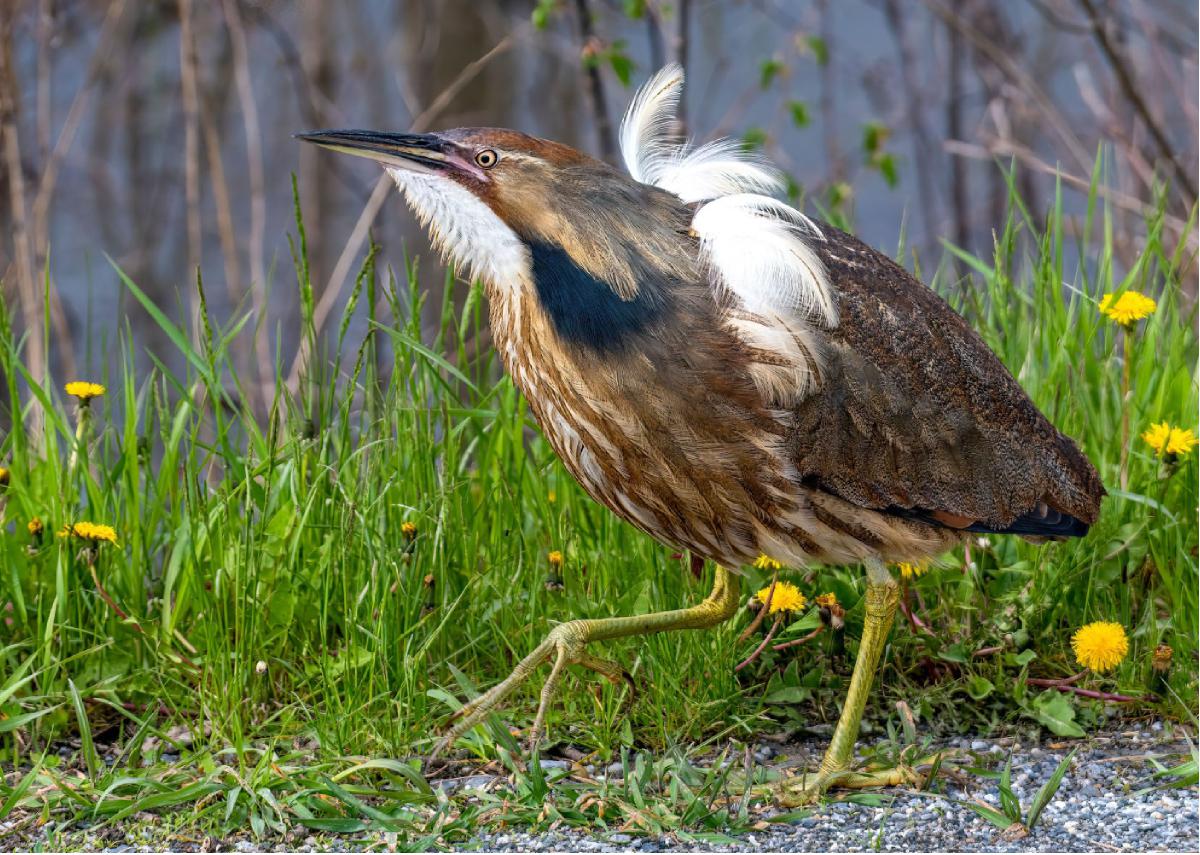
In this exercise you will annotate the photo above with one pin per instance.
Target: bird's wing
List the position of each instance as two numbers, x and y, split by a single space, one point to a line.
914 415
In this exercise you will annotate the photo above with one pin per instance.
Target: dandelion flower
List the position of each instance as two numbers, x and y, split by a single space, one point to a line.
555 558
35 527
89 531
909 570
1161 660
1129 308
762 562
1169 441
826 600
84 390
1100 646
787 597
409 530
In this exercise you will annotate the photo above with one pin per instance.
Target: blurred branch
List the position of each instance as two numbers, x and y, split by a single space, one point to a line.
954 130
1129 87
22 251
191 150
829 124
258 204
679 52
1008 148
587 38
1019 77
53 162
923 141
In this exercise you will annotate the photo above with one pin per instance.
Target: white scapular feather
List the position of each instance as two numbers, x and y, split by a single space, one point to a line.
646 135
715 169
655 155
757 246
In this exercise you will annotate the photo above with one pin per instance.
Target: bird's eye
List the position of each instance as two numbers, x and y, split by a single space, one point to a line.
487 158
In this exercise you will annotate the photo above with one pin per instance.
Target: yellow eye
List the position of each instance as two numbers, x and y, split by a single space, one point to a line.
487 158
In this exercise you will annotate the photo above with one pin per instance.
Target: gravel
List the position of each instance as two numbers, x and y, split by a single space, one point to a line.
1104 804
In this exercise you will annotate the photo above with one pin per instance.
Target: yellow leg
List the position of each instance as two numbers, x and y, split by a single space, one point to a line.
566 644
881 600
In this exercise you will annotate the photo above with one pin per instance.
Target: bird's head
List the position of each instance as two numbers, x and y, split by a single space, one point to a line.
602 249
492 197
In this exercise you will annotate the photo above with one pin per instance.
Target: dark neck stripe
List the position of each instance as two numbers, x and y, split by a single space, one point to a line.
586 311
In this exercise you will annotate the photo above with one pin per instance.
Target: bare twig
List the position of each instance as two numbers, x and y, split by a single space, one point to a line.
10 140
1133 93
258 209
762 613
1008 148
762 646
191 150
220 189
954 130
588 42
1019 77
922 138
679 50
826 101
796 642
52 163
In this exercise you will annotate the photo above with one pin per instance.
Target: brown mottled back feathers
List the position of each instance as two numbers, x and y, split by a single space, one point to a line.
915 412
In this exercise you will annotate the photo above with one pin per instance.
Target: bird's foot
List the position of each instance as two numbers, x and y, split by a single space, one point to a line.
564 645
810 787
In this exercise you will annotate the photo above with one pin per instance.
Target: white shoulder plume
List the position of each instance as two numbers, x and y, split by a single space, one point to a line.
757 250
759 246
646 135
654 154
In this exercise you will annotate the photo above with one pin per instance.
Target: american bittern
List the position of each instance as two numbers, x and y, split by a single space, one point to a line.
729 375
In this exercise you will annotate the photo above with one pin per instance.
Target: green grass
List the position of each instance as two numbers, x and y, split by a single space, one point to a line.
285 646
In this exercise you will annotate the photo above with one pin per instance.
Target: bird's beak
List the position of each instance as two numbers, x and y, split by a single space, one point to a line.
413 152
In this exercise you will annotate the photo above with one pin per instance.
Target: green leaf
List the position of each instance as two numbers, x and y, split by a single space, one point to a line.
1055 711
979 687
990 814
799 111
788 695
886 164
768 71
1046 793
754 139
1024 658
621 64
819 50
13 722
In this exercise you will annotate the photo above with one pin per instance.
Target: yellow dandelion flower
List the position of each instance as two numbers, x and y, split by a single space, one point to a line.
787 598
89 531
909 570
35 527
762 562
1129 308
555 558
409 530
84 390
826 600
1167 440
1100 645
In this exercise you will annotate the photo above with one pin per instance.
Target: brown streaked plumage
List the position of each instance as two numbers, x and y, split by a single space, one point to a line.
728 375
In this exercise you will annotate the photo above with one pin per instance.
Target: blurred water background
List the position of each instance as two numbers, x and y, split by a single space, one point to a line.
159 132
